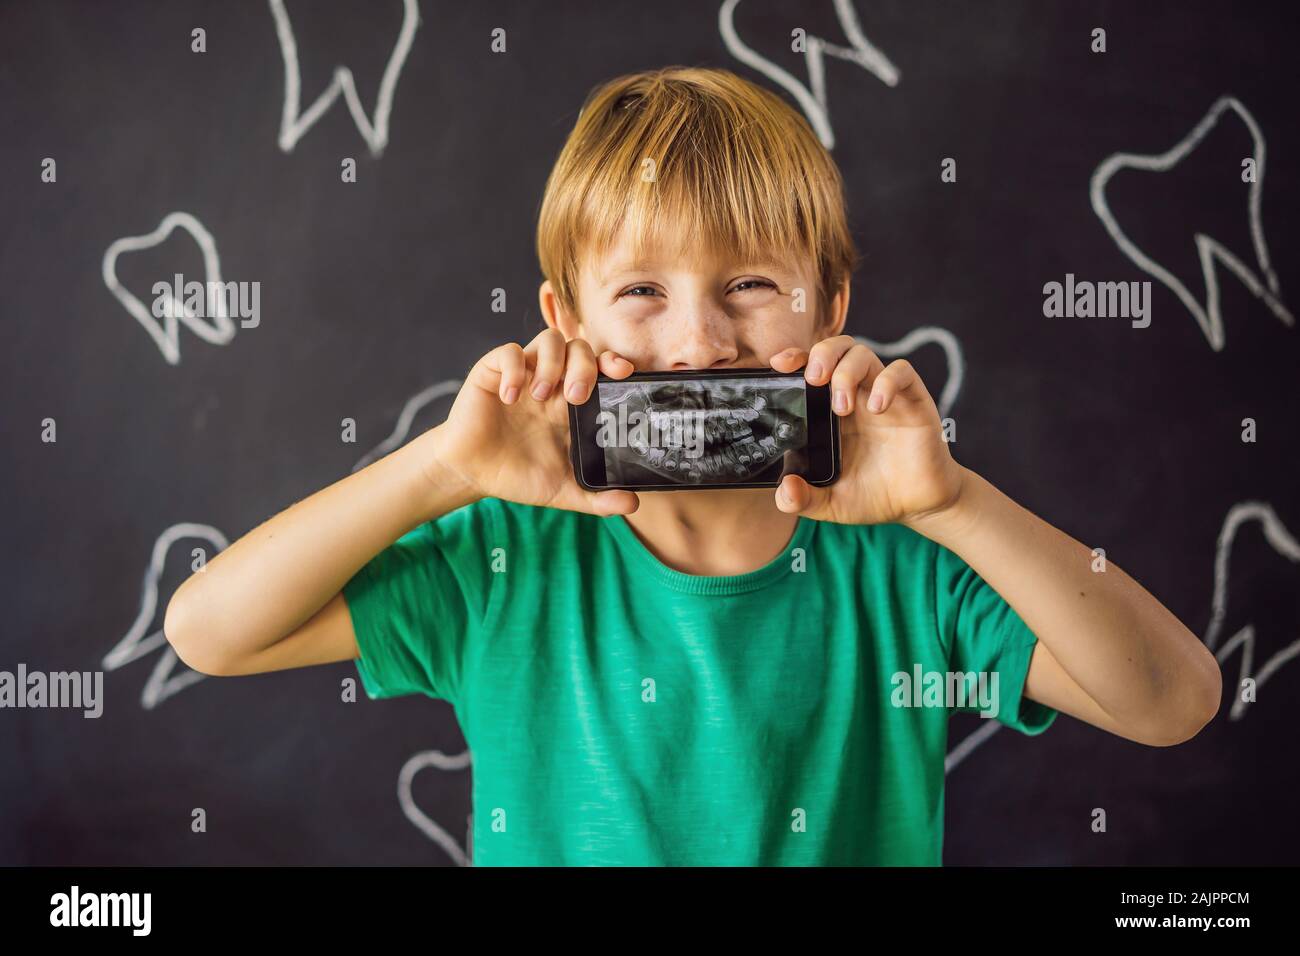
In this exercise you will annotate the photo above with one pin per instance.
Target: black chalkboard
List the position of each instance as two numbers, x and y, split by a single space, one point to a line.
375 293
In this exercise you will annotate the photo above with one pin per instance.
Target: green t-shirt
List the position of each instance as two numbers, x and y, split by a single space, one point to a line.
619 712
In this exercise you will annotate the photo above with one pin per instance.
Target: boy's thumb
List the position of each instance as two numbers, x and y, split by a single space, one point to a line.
613 502
796 496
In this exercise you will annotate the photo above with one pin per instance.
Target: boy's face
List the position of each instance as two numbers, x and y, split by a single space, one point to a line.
694 311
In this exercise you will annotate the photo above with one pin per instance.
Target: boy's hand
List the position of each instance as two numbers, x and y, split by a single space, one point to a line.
895 465
507 435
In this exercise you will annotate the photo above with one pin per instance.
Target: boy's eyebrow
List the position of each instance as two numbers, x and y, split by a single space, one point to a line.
624 269
766 265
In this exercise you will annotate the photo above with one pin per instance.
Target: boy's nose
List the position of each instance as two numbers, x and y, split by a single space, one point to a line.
706 341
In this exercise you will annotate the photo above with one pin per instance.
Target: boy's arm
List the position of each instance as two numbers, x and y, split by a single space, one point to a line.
1108 652
272 600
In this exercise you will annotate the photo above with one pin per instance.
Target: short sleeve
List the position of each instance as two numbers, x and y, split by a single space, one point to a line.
987 641
417 605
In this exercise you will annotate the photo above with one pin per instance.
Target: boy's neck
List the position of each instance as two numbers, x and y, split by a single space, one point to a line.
713 532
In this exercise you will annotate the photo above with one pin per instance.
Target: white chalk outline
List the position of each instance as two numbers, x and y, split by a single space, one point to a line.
1285 544
924 335
168 340
426 758
1208 249
909 343
426 825
813 103
970 743
406 418
294 125
135 644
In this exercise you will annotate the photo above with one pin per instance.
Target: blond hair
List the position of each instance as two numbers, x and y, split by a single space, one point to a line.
731 165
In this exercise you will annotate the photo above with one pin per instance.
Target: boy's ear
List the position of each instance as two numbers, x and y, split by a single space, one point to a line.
838 312
555 315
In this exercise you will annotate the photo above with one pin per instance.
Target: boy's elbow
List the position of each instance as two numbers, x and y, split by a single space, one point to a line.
1211 697
1195 716
180 627
1211 701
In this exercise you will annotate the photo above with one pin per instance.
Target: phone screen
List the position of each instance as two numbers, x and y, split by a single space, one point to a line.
682 430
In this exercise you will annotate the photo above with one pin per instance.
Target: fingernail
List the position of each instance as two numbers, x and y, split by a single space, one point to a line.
875 402
541 390
576 390
814 371
841 400
511 394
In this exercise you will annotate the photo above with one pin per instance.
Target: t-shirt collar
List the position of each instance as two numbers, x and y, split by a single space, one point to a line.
640 556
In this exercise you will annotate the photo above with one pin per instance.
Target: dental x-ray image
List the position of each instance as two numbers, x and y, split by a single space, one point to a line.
703 431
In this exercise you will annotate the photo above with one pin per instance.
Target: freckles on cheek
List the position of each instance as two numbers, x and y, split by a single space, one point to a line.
630 339
781 329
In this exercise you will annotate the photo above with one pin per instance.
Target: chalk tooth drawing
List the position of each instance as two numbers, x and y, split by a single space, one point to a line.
1210 251
1285 544
440 761
294 124
141 640
970 743
813 102
406 418
925 335
167 336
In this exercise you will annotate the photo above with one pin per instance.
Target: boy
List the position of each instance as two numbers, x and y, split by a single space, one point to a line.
704 677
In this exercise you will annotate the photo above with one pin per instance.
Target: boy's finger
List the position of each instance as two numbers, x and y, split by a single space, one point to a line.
579 371
898 378
796 496
576 498
858 366
547 351
614 365
824 356
613 502
787 360
501 370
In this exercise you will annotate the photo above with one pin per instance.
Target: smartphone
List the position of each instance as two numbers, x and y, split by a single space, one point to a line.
672 431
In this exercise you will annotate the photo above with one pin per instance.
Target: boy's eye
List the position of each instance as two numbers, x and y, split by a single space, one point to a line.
745 285
752 284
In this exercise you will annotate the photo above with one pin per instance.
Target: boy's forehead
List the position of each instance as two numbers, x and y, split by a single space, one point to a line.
622 257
